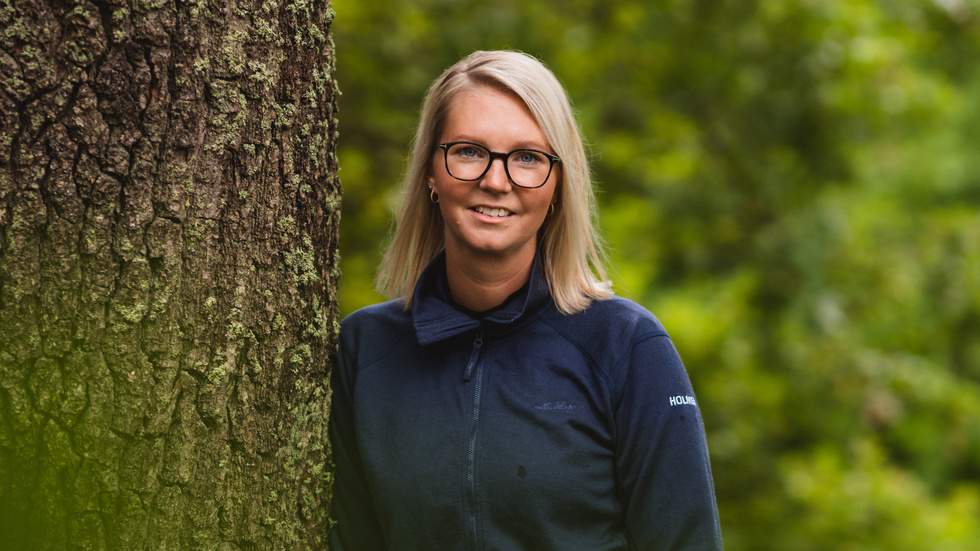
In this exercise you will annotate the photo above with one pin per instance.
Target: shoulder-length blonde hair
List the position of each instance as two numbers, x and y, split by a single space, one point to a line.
570 250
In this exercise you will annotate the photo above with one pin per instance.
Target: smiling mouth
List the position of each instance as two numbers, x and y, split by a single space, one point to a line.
496 213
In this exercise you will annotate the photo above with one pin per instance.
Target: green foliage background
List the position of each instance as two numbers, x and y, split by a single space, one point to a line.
793 188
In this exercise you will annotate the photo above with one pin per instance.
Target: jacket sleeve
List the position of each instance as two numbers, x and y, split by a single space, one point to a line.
356 527
662 466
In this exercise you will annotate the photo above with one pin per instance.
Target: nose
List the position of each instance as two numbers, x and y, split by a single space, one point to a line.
496 180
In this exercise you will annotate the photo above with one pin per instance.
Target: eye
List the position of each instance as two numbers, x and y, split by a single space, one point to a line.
528 157
468 152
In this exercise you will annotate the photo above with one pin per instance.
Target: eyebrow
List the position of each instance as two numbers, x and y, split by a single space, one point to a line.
521 144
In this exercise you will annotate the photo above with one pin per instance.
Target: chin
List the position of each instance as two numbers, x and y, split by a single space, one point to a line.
491 250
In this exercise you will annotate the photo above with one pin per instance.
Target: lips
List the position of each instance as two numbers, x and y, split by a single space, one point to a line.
494 212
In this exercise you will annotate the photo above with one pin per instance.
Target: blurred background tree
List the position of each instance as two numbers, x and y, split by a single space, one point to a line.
793 188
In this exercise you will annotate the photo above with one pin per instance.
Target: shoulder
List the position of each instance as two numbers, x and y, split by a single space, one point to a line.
608 330
375 312
376 325
614 319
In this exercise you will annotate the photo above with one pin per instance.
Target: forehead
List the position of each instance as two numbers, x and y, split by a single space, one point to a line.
485 114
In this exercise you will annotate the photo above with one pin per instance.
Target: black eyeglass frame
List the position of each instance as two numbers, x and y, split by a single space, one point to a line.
503 157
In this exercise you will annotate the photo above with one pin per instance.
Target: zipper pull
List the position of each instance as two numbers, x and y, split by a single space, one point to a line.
477 345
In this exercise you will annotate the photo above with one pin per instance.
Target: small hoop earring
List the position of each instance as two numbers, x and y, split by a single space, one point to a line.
433 196
551 209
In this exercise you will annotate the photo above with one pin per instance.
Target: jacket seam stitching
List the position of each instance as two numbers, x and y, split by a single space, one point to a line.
592 361
633 344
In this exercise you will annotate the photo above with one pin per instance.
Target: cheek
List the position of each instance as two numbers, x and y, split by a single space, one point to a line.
540 208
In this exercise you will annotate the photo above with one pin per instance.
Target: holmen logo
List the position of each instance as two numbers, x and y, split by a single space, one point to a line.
682 401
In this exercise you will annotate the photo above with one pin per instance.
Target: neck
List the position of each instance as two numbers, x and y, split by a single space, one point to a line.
485 282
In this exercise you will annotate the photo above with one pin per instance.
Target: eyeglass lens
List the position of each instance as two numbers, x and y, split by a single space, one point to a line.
526 167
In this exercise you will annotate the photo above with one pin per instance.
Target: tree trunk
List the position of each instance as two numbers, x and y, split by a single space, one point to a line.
168 228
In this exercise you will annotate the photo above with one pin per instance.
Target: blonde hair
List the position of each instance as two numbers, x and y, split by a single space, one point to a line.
570 249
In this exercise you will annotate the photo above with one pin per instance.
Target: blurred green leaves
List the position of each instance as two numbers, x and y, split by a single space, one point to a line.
793 188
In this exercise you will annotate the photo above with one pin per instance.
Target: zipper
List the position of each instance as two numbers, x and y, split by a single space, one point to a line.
474 356
474 363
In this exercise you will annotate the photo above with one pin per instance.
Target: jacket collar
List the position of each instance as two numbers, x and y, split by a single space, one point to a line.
436 317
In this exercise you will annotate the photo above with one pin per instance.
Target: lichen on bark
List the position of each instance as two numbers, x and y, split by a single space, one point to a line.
164 339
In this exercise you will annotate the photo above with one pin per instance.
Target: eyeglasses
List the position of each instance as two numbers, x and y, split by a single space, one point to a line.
526 168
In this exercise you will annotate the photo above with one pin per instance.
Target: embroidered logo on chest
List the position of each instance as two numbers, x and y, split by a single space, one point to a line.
555 406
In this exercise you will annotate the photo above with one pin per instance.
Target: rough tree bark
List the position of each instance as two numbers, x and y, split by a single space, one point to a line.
168 229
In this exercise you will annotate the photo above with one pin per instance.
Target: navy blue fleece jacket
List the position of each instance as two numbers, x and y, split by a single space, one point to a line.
518 429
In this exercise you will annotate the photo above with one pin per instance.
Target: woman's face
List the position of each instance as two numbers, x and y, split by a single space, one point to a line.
491 216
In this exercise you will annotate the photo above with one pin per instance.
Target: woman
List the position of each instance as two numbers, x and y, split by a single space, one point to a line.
506 400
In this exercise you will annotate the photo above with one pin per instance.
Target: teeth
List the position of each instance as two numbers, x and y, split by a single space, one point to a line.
492 212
